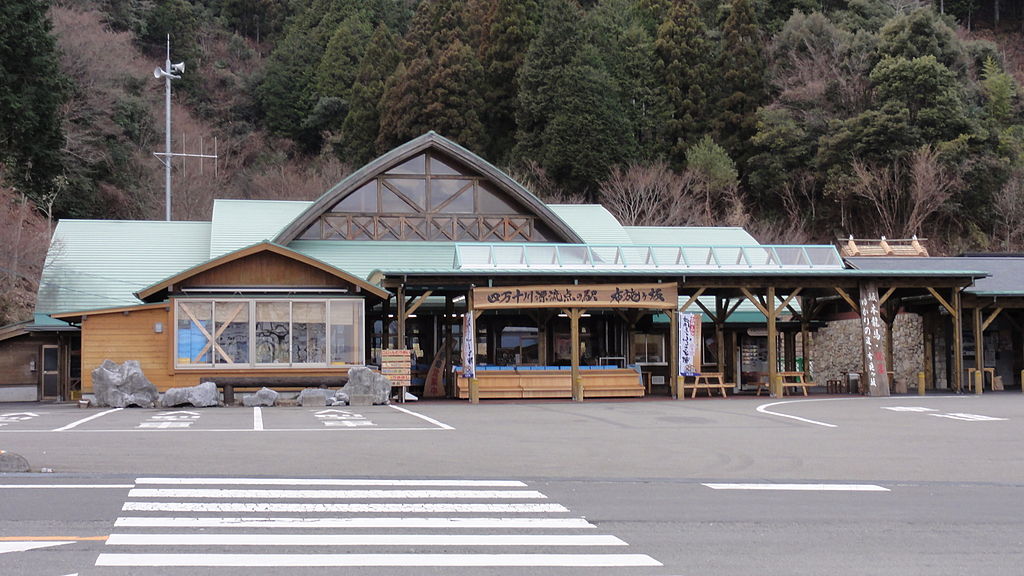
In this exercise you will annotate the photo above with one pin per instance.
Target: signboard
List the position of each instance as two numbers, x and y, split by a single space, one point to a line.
577 296
396 366
874 340
689 344
468 346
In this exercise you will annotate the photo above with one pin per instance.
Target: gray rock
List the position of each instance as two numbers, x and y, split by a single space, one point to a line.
263 397
199 396
312 397
340 398
121 385
11 462
363 381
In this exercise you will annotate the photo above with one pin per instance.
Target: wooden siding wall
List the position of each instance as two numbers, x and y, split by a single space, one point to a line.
120 337
16 356
265 269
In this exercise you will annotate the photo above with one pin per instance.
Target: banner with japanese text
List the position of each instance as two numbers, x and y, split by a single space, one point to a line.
689 344
656 296
468 346
874 341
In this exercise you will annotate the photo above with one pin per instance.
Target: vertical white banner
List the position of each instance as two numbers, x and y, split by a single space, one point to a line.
468 345
689 344
874 341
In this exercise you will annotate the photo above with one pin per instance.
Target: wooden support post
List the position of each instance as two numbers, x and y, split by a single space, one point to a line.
448 379
720 312
673 353
773 346
928 335
400 318
805 334
920 383
574 329
979 352
789 350
385 324
958 342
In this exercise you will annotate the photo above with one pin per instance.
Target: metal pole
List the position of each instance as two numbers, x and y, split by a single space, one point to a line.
167 133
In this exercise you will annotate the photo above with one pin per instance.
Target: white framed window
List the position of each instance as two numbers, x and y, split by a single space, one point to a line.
268 333
648 348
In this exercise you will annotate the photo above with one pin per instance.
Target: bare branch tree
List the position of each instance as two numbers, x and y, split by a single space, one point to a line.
648 195
906 193
881 187
1009 203
25 236
931 186
535 179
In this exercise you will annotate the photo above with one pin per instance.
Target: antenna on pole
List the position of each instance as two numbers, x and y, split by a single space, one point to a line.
171 72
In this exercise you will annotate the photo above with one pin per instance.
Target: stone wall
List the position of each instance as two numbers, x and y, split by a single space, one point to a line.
837 349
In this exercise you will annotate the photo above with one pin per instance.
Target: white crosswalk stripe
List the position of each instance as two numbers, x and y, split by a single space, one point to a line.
437 523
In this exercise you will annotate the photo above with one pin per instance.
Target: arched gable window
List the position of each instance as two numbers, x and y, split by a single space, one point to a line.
429 197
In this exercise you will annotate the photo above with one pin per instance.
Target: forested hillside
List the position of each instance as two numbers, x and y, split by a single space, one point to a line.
800 119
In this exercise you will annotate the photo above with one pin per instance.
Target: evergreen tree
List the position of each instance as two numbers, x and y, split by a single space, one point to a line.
440 86
32 91
340 62
621 32
570 118
742 78
922 32
287 91
358 141
261 20
558 42
685 58
513 27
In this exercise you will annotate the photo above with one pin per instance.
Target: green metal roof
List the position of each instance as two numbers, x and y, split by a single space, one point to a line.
592 222
240 223
690 235
610 258
363 257
95 264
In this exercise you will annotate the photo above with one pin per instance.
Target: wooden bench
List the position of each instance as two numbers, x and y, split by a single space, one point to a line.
542 383
789 380
706 381
794 380
228 384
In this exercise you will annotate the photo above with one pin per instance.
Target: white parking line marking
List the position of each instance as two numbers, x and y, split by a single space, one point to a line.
257 418
969 417
339 560
764 410
440 424
417 508
331 482
409 522
230 430
324 494
6 547
363 540
75 486
801 487
84 420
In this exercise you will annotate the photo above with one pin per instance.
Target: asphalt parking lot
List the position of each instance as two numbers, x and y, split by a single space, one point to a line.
906 438
897 486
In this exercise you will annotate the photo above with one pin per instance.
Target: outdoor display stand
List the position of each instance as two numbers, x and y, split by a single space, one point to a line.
396 366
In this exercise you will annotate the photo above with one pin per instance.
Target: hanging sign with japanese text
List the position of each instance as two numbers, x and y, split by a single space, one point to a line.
689 344
468 346
577 296
874 341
